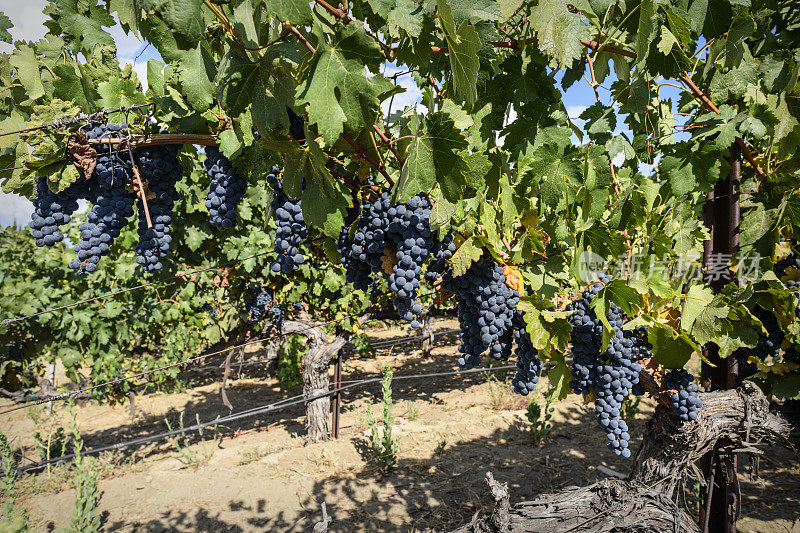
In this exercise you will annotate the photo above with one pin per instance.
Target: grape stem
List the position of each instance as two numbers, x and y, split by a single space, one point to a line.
388 143
137 179
363 154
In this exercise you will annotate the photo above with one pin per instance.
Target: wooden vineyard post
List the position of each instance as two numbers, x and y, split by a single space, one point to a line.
722 217
337 396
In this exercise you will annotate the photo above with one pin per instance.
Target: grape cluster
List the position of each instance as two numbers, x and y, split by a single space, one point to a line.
486 308
684 401
258 301
609 375
768 345
291 228
410 232
361 254
791 261
278 317
528 364
160 165
443 250
113 203
53 210
403 228
225 191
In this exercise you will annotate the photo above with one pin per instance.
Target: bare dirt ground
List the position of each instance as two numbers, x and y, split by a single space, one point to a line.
259 475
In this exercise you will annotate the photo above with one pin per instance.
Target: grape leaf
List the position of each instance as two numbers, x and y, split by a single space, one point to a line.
469 252
74 83
5 25
264 83
463 45
433 157
291 11
669 349
80 24
336 89
119 92
183 17
27 66
559 32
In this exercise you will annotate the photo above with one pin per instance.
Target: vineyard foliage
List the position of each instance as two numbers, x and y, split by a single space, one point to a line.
165 323
491 145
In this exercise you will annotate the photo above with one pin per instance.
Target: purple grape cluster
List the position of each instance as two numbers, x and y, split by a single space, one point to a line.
53 210
361 254
291 229
442 252
160 166
258 302
685 401
405 228
486 308
113 203
529 367
608 375
225 191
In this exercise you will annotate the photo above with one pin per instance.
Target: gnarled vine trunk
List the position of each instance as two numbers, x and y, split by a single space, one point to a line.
316 362
732 421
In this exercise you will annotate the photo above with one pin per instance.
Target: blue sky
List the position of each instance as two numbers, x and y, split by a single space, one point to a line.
28 18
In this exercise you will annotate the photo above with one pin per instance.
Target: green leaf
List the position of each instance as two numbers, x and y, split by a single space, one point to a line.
27 66
434 157
81 24
264 83
559 378
183 17
669 349
324 199
5 25
475 10
291 11
127 13
646 30
559 32
469 252
339 95
441 211
463 45
74 84
509 7
733 47
119 92
697 299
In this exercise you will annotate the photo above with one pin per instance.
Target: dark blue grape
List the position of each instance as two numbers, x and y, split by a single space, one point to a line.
159 165
290 227
529 367
226 189
52 210
259 300
685 402
113 203
611 374
486 309
278 317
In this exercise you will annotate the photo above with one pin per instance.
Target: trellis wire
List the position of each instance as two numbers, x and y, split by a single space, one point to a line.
7 321
288 402
75 393
69 121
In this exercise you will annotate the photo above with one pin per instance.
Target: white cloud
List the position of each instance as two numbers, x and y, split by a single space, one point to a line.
574 111
27 18
14 209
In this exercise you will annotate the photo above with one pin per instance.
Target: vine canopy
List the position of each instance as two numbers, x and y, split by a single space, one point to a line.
677 84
